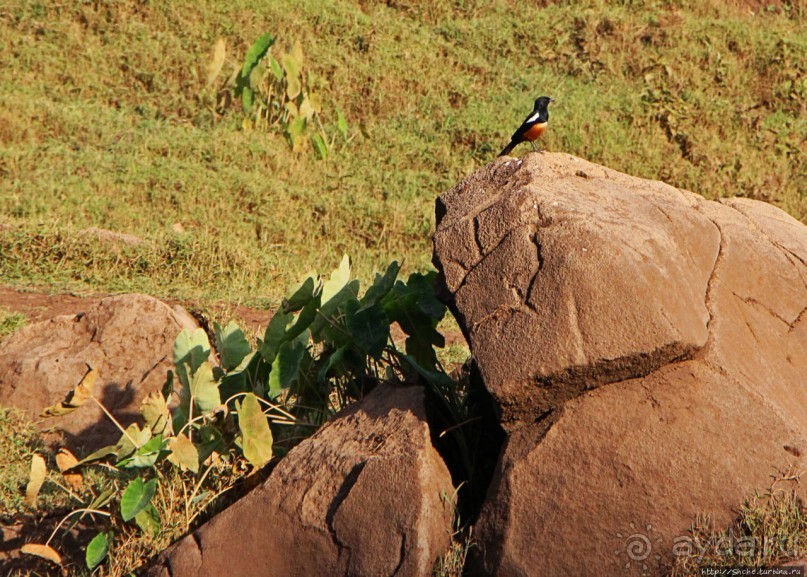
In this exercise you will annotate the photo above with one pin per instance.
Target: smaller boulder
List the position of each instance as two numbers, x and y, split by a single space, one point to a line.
367 495
128 339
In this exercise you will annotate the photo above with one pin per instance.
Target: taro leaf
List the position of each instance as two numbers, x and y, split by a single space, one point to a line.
66 460
149 520
303 320
382 285
306 110
231 344
35 479
136 497
97 550
315 101
204 389
257 51
423 286
295 130
146 455
131 441
337 281
191 349
256 436
247 99
216 62
238 380
275 335
368 326
293 84
210 440
333 360
327 324
277 70
302 294
75 398
341 124
155 412
44 551
319 145
98 455
286 366
184 453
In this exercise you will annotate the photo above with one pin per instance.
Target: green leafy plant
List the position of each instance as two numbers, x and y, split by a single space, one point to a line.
325 347
278 93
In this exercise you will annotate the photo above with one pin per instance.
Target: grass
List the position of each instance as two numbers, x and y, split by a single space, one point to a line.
10 321
771 529
108 122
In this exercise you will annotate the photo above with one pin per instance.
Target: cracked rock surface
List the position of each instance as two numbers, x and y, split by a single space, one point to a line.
128 339
367 495
646 348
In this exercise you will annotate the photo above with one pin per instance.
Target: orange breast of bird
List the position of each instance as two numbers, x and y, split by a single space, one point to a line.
535 131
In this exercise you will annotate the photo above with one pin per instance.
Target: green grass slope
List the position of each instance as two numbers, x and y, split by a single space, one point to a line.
106 120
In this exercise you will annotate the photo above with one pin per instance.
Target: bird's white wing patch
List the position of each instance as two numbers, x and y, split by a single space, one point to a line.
534 117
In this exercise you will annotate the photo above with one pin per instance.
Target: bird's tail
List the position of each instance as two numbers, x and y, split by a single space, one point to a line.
508 149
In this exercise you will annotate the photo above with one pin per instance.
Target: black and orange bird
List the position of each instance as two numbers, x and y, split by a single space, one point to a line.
533 127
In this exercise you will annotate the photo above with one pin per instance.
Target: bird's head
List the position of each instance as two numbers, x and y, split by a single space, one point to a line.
542 102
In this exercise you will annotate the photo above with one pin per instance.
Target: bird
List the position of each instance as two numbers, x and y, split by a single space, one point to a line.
533 127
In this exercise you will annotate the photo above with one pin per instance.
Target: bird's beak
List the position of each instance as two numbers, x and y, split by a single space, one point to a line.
551 100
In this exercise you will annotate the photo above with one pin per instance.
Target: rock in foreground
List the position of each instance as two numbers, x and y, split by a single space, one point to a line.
647 350
366 496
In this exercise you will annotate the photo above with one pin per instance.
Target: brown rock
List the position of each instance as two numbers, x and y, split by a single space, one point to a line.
128 339
367 495
647 350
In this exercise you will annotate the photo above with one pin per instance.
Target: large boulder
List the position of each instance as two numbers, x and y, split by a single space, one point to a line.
128 339
367 495
647 351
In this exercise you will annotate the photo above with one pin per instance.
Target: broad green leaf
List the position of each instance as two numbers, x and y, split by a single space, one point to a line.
256 436
149 520
382 285
285 367
98 455
319 145
35 479
131 441
231 344
332 360
136 497
146 455
209 440
191 349
276 68
302 294
337 281
341 124
329 314
369 327
184 454
257 51
97 550
275 335
303 320
247 99
155 413
204 389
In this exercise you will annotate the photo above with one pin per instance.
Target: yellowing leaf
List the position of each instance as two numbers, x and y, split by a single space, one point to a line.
306 110
297 52
36 478
256 436
66 460
155 412
184 453
216 61
205 389
75 398
44 551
